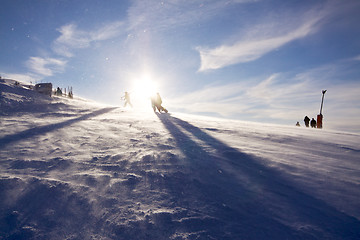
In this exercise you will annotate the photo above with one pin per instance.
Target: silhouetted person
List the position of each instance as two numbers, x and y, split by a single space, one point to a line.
307 121
58 91
297 124
313 123
126 97
156 102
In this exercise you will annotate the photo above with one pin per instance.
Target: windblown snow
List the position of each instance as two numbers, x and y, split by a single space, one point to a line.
75 169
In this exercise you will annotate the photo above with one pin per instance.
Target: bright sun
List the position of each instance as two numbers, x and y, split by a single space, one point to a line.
142 89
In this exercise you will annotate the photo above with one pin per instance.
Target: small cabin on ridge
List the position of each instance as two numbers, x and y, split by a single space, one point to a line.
45 88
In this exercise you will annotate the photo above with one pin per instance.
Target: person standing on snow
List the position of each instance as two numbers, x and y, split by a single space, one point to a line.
126 97
313 123
307 121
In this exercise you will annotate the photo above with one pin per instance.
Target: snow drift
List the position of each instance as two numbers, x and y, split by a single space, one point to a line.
74 169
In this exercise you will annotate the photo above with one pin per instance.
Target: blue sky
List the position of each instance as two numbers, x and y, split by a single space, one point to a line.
257 60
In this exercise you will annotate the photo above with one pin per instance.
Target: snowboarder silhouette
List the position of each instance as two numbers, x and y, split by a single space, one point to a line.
126 97
156 102
307 121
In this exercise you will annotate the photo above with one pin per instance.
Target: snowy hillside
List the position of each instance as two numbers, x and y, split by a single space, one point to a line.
74 169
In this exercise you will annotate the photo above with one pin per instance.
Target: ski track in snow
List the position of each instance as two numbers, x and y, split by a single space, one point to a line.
73 169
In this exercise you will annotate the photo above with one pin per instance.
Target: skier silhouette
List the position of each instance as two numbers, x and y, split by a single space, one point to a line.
126 97
156 102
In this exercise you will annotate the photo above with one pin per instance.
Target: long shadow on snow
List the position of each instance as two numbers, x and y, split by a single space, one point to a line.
32 132
249 200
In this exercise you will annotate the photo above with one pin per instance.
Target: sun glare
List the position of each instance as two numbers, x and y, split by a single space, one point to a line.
142 89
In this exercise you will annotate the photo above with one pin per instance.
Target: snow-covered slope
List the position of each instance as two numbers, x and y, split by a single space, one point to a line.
73 169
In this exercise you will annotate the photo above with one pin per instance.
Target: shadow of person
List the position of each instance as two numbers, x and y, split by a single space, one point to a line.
241 198
33 132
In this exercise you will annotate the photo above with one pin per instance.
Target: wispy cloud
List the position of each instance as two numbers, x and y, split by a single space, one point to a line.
161 15
26 77
108 31
271 94
45 66
72 38
282 97
256 40
357 58
217 99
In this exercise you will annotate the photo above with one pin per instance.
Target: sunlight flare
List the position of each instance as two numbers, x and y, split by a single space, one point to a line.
142 89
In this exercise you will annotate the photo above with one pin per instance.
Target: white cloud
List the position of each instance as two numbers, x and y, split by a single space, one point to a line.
215 99
72 38
162 15
25 78
282 97
45 66
107 32
357 58
275 89
254 47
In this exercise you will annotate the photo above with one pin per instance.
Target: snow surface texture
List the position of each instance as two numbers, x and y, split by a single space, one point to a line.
73 169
